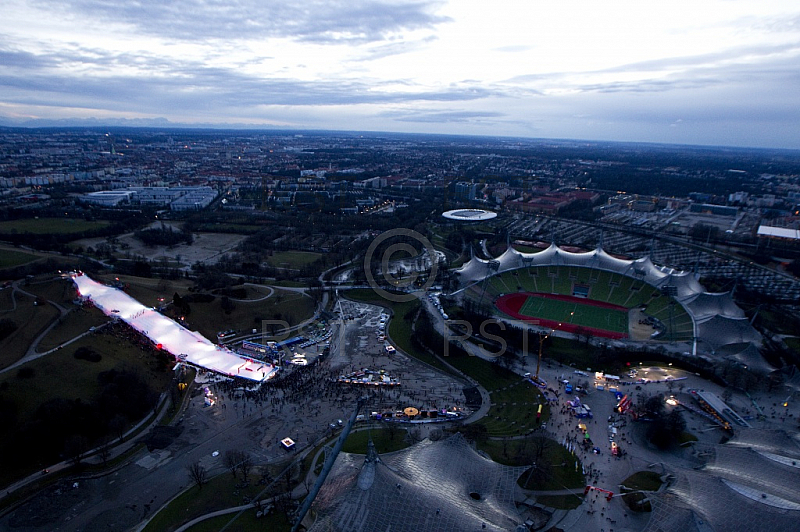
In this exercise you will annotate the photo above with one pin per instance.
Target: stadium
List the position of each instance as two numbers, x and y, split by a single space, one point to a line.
596 294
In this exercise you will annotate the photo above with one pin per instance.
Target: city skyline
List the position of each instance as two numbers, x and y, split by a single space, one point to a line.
721 73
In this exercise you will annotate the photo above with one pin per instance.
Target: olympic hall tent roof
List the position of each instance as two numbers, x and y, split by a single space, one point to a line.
751 483
431 486
178 340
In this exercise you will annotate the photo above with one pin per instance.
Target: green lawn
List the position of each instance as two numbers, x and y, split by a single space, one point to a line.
560 502
489 375
643 480
781 323
386 440
10 258
146 290
247 522
292 259
61 291
560 472
55 226
793 343
209 318
217 494
75 323
242 229
584 315
513 411
290 284
640 481
49 382
686 437
526 249
31 320
6 301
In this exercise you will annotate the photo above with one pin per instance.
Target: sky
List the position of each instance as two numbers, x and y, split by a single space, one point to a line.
712 72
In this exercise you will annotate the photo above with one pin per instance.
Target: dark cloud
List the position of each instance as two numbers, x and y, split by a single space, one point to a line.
778 63
319 21
710 60
448 117
90 78
18 59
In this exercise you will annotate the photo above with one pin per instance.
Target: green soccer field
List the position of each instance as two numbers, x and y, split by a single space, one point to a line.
576 314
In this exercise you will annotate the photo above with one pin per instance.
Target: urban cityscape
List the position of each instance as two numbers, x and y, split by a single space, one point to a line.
306 330
400 266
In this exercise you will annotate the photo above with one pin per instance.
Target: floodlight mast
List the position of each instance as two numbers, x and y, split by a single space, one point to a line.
328 465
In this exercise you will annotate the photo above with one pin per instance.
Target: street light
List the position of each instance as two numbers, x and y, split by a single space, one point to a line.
539 360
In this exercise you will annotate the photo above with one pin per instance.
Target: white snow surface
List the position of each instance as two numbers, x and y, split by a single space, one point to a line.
178 340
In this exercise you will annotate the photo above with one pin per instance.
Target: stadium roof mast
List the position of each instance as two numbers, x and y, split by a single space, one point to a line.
539 360
328 465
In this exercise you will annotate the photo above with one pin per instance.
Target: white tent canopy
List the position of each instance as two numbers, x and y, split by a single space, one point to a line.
191 346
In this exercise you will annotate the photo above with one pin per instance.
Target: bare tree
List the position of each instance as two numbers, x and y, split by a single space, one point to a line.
231 460
117 425
75 448
245 464
197 474
391 430
534 452
727 395
105 450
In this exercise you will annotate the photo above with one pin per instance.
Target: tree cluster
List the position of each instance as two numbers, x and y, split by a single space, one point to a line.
163 236
56 427
665 428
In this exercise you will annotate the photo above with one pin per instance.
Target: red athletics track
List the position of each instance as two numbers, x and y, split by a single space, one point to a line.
511 304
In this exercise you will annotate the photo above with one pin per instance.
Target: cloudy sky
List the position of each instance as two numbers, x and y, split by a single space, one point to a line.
722 72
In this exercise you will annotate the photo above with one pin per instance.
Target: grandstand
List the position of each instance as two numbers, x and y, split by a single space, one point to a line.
673 299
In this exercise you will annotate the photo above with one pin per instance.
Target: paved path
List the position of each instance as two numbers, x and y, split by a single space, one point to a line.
32 353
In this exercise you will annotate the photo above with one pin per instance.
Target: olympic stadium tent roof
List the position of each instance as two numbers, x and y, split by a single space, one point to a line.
476 269
745 354
712 304
716 317
426 487
179 341
721 330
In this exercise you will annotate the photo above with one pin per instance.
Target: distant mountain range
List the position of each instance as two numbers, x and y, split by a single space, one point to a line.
158 122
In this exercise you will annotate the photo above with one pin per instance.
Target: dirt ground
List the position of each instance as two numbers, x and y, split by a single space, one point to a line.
207 247
638 331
